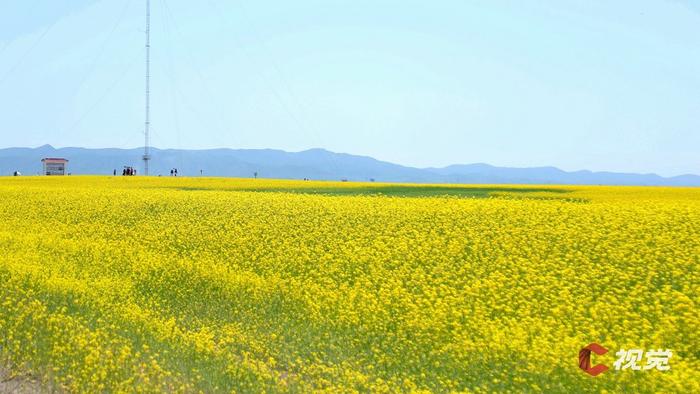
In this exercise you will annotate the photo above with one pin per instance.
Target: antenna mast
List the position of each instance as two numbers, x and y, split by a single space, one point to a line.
147 125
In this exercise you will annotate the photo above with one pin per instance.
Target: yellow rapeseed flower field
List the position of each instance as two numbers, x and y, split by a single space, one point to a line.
217 285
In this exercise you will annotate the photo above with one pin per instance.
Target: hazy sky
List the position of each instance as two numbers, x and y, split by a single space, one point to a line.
597 85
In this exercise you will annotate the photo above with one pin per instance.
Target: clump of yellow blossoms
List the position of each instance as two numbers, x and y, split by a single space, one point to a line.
215 285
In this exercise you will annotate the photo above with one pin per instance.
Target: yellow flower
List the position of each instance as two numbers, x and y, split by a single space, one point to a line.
215 285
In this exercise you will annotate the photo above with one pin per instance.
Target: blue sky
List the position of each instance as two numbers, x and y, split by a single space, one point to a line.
576 84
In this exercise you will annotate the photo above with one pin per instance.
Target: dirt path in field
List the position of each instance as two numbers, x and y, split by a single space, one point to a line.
19 384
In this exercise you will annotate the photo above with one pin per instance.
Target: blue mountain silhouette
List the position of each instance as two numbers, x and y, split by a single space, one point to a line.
314 164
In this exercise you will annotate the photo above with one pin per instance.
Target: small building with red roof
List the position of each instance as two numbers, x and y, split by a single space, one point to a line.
54 166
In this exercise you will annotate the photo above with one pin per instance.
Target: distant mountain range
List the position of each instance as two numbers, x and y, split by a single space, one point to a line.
314 164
